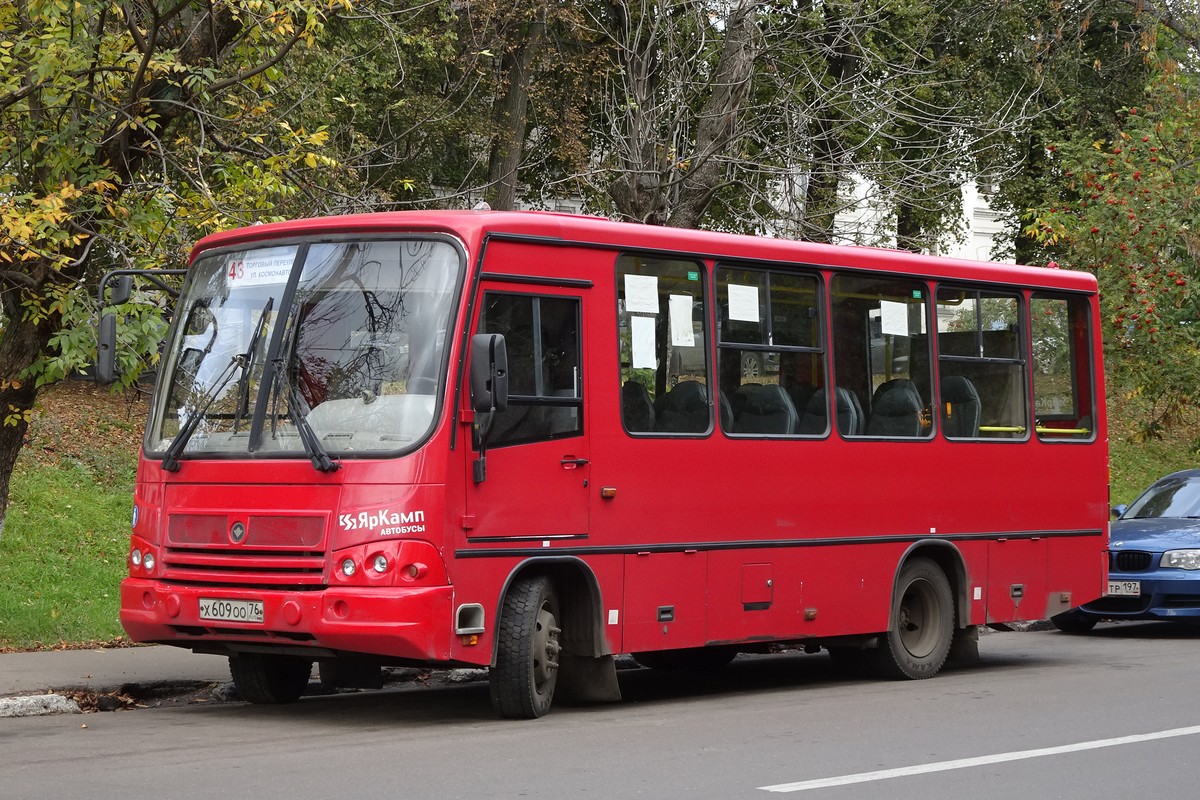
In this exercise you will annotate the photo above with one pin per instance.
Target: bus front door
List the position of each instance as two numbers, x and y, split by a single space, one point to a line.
535 452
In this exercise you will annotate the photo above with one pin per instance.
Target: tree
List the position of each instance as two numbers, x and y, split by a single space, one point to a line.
127 129
1131 217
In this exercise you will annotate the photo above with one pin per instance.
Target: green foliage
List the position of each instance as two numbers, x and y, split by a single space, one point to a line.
127 133
1130 214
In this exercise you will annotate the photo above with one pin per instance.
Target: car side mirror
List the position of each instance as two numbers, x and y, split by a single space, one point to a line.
1119 510
489 373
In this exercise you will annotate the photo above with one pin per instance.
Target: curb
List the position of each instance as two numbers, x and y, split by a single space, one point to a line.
38 705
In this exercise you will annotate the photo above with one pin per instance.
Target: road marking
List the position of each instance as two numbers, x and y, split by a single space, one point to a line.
978 761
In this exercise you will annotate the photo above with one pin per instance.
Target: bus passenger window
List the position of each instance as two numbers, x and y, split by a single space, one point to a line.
770 363
664 346
1062 367
545 396
981 371
881 357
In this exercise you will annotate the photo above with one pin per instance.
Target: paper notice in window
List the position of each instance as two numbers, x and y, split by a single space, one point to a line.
682 334
641 294
642 329
743 303
265 267
893 318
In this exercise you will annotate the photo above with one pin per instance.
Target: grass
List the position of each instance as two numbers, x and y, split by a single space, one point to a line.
62 552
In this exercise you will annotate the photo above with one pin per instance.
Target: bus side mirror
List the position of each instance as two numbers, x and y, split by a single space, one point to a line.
106 348
106 334
489 373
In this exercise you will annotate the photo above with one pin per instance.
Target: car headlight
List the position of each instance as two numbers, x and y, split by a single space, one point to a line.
1181 559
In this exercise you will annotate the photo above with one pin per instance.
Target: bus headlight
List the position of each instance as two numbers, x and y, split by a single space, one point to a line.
348 567
1181 559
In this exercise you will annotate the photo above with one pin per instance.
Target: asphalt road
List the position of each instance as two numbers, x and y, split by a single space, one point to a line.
1043 715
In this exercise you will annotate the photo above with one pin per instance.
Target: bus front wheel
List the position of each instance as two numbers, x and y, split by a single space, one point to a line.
269 679
526 671
922 624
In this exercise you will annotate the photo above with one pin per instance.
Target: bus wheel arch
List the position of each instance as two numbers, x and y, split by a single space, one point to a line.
923 616
549 640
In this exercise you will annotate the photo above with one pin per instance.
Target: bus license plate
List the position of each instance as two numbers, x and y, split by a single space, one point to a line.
1124 588
231 610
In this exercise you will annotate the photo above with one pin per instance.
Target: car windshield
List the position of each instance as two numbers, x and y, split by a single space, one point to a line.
1169 497
352 348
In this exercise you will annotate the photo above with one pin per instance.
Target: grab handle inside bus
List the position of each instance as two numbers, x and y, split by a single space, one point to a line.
489 388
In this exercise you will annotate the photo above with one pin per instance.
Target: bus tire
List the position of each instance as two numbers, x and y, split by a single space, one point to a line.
269 679
921 625
527 646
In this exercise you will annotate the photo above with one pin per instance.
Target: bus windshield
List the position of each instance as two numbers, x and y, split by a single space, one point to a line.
332 347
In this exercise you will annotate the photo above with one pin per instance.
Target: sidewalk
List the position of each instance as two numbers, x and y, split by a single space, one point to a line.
29 675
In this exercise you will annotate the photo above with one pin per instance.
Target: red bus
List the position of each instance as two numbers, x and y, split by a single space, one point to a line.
533 441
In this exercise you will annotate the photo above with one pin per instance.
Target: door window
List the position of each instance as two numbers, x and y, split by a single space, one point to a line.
545 389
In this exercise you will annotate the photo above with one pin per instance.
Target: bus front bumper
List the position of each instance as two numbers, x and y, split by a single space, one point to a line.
411 623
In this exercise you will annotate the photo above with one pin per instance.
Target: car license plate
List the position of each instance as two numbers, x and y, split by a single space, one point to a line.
224 610
1124 588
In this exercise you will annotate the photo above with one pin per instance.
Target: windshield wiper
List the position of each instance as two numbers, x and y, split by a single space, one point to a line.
240 361
297 411
243 404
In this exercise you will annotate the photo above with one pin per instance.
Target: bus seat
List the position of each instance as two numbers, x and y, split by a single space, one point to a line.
849 412
961 407
800 393
895 410
726 411
637 411
767 409
684 409
816 415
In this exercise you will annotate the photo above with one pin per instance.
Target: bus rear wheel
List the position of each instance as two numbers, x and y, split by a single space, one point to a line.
922 624
269 679
526 671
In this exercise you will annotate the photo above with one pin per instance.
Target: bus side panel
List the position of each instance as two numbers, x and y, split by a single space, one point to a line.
1016 580
664 604
799 592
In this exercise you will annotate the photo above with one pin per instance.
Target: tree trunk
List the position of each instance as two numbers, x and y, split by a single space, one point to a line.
719 119
509 115
20 346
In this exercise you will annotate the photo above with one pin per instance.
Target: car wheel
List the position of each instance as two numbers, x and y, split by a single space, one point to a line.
1073 622
752 366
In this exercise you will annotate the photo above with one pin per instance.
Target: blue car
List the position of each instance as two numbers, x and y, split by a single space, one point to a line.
1153 558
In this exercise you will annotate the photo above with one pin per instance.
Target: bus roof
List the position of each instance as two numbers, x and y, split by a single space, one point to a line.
474 226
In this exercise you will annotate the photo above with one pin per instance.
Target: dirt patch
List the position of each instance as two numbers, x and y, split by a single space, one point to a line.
82 422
